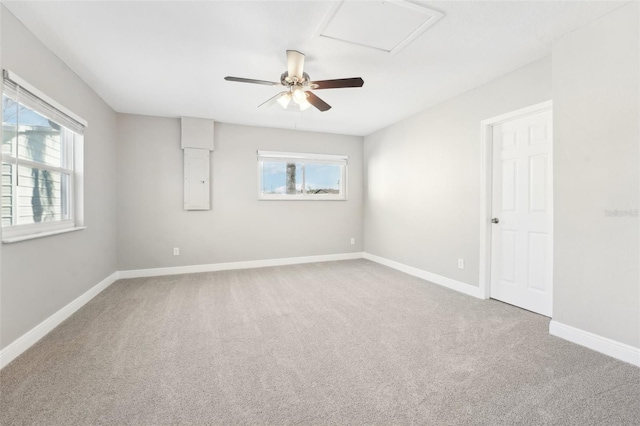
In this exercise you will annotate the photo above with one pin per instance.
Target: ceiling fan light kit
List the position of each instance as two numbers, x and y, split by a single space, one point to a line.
300 86
284 100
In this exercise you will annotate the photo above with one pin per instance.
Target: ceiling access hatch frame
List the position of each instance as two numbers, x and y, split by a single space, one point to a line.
389 26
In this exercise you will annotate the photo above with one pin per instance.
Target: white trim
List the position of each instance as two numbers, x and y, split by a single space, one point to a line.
72 145
31 337
486 133
519 113
288 156
452 284
34 164
434 16
592 341
18 238
301 197
312 159
613 348
212 267
28 339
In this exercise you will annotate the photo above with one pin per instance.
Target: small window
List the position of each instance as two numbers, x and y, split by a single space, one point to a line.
41 160
301 176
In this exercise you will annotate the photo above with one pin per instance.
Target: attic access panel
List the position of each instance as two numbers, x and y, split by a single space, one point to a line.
388 26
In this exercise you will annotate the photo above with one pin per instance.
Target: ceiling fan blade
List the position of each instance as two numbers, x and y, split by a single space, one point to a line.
317 102
295 64
250 80
337 83
272 100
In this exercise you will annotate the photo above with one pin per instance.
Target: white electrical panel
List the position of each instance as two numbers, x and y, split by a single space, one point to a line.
196 179
197 143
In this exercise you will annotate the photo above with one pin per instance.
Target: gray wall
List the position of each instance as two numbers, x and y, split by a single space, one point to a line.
422 176
151 219
67 265
596 93
421 187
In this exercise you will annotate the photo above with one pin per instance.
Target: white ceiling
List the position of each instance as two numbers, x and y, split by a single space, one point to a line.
169 58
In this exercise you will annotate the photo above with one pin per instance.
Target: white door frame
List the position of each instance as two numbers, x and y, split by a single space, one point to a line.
486 172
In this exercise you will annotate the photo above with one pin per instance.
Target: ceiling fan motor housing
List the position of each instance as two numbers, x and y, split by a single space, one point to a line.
293 81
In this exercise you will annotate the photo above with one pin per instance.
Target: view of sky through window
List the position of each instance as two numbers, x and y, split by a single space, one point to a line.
318 178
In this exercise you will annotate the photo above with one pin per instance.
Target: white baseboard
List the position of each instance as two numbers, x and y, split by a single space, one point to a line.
28 339
429 276
24 342
613 348
212 267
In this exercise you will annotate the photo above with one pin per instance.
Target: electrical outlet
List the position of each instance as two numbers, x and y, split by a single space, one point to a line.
460 263
353 241
176 251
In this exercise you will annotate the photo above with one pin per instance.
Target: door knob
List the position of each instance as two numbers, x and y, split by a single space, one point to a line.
495 220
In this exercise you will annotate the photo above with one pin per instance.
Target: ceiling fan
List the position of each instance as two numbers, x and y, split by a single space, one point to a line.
299 86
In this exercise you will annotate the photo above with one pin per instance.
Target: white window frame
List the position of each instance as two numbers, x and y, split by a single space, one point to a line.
308 158
74 167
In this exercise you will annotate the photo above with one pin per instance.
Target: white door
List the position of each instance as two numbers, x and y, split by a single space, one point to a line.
522 206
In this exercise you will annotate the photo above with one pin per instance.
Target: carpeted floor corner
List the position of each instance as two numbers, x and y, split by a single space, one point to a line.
349 342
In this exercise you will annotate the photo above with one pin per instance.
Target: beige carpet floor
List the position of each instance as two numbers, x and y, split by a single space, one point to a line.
349 342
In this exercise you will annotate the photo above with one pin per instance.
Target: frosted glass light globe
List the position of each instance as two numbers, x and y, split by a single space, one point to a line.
284 100
299 95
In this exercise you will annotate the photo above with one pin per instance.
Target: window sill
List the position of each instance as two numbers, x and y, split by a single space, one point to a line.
18 238
300 199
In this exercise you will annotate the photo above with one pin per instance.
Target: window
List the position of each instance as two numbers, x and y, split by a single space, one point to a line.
41 163
299 176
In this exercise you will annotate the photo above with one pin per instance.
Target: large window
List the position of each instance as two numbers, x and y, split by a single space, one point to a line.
41 163
300 176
